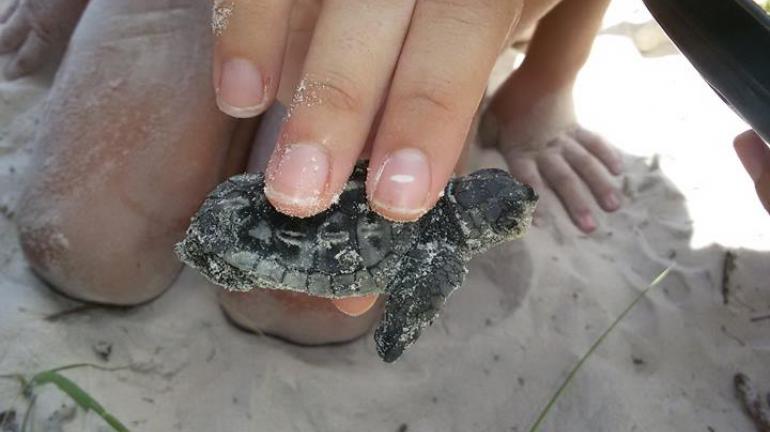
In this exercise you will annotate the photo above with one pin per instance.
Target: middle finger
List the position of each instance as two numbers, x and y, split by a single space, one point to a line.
350 60
441 76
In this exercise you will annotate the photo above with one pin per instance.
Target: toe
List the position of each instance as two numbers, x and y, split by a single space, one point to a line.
28 59
14 33
10 10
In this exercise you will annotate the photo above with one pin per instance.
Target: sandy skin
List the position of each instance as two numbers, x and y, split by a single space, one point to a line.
98 175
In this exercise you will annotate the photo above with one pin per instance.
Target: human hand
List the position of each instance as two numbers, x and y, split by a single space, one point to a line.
755 157
399 79
533 125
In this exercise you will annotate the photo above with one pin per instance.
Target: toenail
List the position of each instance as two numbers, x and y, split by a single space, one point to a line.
401 184
299 177
241 91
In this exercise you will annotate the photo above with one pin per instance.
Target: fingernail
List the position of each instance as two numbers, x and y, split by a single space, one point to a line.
401 184
241 90
355 306
611 201
587 223
299 177
617 166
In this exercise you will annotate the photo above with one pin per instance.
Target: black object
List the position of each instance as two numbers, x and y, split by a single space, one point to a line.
728 42
239 241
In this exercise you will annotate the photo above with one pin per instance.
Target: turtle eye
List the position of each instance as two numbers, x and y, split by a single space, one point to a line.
333 233
291 237
335 230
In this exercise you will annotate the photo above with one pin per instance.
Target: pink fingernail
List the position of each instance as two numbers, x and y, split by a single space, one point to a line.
241 90
587 223
299 177
617 166
401 184
611 201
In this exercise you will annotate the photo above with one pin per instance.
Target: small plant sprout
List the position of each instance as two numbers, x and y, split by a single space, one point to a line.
81 397
551 402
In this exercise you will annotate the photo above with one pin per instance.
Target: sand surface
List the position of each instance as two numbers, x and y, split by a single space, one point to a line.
527 312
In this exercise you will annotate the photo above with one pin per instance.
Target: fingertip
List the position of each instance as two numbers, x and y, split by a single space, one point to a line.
12 70
9 10
752 152
240 112
617 167
355 306
746 137
297 179
241 89
586 223
400 186
538 219
610 202
293 206
397 214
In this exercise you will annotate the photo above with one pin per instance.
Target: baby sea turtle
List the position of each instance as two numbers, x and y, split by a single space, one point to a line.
239 241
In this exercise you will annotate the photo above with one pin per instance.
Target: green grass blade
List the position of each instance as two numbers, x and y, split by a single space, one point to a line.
80 396
28 414
91 365
536 426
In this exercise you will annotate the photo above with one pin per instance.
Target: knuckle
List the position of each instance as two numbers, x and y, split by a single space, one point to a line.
432 99
336 90
562 180
594 147
468 14
583 160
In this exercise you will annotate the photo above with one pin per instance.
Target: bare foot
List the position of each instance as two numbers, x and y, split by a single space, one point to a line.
292 316
125 156
125 152
536 131
296 317
36 31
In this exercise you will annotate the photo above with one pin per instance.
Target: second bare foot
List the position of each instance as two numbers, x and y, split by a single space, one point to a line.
36 31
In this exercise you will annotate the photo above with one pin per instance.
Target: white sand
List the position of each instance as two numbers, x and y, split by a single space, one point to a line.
527 312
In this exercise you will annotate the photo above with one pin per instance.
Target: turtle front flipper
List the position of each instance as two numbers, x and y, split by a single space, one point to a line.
428 275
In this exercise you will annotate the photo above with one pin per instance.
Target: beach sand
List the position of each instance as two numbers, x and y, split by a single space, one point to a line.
527 312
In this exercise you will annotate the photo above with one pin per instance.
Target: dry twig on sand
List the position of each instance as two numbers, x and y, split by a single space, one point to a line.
752 403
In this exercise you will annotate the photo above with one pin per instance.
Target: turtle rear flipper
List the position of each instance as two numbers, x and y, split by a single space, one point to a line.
427 276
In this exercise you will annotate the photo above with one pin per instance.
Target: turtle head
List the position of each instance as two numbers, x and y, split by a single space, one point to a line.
491 207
